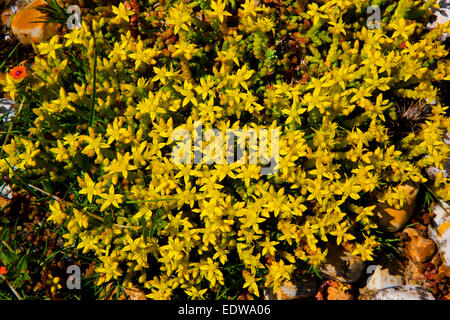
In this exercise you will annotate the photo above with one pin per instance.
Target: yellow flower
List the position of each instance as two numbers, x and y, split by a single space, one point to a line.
315 13
121 13
250 282
338 27
119 51
388 63
110 199
60 151
195 293
88 242
73 37
88 187
63 102
184 48
162 74
120 165
50 47
218 10
340 232
241 77
27 157
377 83
364 252
268 247
57 214
318 257
294 113
229 55
143 56
10 86
402 29
180 17
212 272
94 144
349 189
186 91
209 112
278 272
81 218
110 269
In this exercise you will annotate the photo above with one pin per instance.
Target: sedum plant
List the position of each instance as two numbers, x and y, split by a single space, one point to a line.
101 103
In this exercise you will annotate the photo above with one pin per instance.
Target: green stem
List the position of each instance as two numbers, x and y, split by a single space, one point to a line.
10 54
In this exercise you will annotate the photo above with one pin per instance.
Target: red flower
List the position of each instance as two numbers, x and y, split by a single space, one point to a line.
3 270
18 72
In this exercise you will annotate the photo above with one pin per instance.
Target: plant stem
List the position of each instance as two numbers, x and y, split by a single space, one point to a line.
10 54
11 287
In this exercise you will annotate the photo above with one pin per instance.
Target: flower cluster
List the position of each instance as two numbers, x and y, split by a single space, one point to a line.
104 103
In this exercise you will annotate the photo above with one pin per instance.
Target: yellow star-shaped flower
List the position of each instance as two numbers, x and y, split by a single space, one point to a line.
121 13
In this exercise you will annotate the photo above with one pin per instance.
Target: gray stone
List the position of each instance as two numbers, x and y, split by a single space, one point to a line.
7 111
382 278
440 231
407 292
5 191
